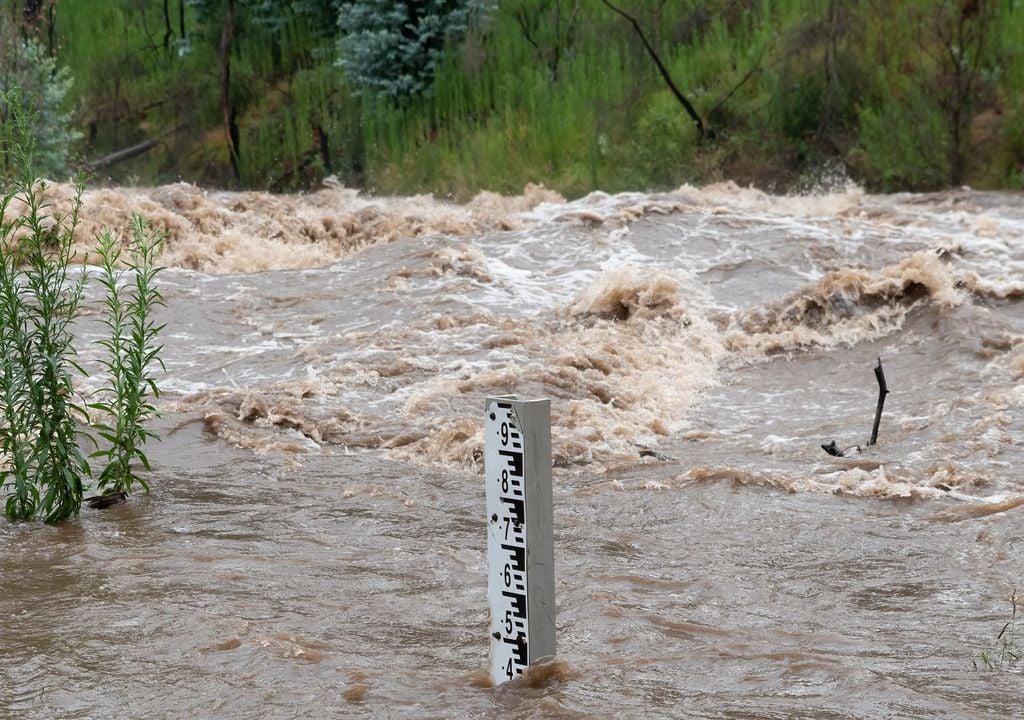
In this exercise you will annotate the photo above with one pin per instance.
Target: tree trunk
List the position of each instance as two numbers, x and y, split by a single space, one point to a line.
51 29
831 69
31 12
228 112
168 31
323 145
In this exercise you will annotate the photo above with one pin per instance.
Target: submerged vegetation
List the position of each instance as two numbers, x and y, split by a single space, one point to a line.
575 94
1006 653
45 421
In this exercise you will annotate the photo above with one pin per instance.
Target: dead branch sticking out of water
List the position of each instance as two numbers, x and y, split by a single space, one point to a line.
645 451
833 449
883 390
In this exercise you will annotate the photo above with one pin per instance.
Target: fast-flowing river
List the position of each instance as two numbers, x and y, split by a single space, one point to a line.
315 544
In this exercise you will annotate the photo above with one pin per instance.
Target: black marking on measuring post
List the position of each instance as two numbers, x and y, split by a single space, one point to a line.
520 546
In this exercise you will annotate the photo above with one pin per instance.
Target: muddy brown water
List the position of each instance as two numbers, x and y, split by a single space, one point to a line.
314 545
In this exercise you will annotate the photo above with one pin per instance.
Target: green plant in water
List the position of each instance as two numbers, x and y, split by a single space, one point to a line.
39 301
1005 654
132 352
42 425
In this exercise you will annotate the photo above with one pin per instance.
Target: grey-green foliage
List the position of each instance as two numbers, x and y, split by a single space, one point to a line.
45 88
394 47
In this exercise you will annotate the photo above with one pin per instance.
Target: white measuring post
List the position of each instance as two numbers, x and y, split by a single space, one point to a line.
520 543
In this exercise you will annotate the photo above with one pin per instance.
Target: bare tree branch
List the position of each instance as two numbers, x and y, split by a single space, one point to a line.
705 132
750 73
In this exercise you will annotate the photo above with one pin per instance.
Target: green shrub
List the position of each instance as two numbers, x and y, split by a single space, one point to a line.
131 352
44 87
38 303
906 141
666 141
43 423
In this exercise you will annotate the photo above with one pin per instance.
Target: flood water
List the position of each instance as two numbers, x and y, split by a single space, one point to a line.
315 544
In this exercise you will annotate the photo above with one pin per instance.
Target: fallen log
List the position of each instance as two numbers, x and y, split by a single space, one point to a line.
129 152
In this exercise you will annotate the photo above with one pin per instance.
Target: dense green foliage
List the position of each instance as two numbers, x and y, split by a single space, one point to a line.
278 95
45 87
39 432
44 422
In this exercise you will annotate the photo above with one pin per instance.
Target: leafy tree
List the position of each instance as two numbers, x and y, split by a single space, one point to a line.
259 44
393 47
937 67
45 88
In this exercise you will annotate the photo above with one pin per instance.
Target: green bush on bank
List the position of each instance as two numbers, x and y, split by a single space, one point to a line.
46 86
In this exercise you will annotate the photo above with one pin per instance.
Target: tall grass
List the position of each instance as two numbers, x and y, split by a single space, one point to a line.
504 113
586 109
787 86
1006 653
283 85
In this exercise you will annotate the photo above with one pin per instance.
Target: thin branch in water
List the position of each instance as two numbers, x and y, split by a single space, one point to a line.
883 390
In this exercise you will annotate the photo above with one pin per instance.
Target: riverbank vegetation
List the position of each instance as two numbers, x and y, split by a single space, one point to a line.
455 96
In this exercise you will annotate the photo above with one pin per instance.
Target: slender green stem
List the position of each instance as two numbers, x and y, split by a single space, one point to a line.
131 354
